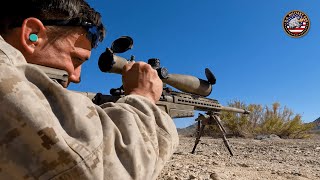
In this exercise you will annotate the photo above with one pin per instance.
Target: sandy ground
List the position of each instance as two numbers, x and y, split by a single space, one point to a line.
266 159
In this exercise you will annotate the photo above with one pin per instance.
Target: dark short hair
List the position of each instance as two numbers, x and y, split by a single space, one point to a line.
14 12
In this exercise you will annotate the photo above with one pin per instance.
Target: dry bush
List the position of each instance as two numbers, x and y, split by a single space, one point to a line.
265 121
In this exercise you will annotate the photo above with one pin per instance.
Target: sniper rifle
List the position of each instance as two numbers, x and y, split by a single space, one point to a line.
191 95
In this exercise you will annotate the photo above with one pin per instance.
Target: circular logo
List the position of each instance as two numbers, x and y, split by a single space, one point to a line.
296 23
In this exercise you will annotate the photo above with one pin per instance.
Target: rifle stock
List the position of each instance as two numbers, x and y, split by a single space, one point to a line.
176 104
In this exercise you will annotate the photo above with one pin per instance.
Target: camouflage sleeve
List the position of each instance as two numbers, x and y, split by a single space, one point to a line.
139 139
48 132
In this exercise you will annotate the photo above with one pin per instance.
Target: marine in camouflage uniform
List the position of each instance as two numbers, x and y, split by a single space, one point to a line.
49 132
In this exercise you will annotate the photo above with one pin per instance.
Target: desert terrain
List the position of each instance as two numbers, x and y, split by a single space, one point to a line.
268 158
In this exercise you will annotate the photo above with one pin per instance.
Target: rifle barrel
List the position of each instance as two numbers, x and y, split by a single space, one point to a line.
233 109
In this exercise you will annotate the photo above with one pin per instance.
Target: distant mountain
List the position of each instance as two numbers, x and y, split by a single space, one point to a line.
188 131
191 131
317 123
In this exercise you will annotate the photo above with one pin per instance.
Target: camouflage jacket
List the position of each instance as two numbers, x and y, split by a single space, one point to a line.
49 132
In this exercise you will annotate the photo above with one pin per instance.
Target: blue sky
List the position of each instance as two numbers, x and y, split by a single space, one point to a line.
242 42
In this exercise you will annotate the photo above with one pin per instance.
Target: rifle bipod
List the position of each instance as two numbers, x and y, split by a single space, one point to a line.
209 119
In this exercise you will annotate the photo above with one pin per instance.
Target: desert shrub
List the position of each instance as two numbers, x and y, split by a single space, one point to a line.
237 124
274 119
265 120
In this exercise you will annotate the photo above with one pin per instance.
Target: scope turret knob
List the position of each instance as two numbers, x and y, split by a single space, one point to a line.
162 73
154 62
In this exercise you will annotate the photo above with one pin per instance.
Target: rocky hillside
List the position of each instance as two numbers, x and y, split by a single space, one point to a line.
188 131
317 122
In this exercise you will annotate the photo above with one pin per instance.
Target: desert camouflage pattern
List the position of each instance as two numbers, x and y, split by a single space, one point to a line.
48 132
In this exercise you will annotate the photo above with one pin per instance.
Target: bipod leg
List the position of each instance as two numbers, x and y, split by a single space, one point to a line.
199 133
223 132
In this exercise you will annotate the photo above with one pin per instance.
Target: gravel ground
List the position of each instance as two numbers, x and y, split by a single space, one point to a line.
266 159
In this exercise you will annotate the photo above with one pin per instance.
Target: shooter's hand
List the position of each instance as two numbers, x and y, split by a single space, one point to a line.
141 79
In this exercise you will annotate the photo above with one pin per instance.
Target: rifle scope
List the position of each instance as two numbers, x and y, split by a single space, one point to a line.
111 63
